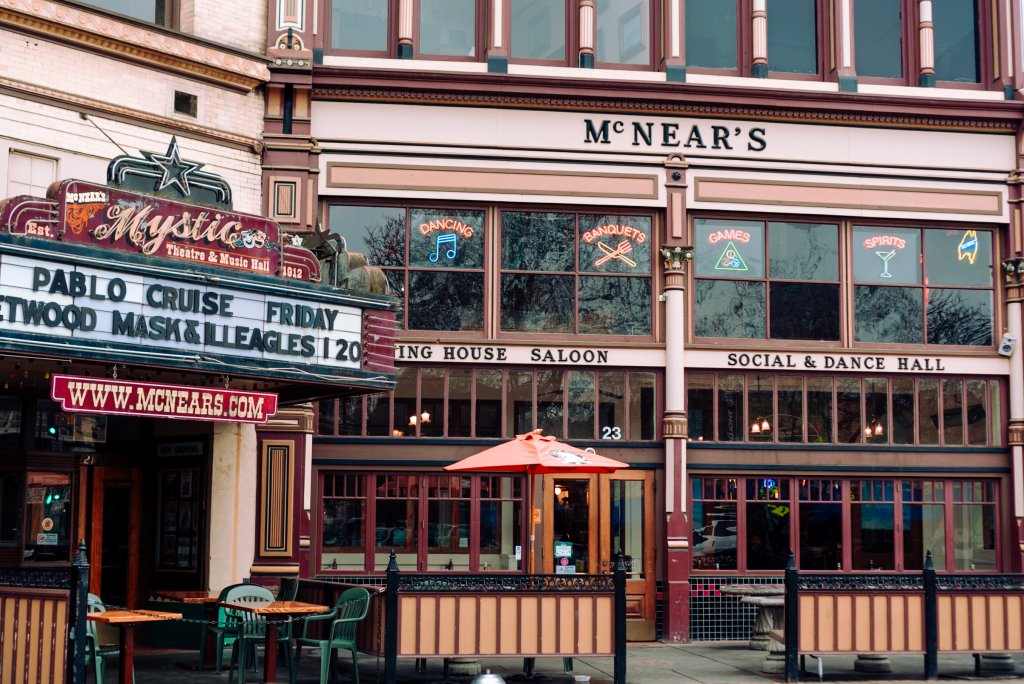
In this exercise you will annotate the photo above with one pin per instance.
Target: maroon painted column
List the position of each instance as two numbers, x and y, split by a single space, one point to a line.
676 257
283 446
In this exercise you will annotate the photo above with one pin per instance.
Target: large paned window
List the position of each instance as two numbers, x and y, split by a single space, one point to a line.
878 38
473 522
433 259
48 516
711 34
781 280
11 489
612 405
774 280
842 525
623 32
974 526
956 40
900 410
934 288
575 273
361 26
538 30
793 36
820 520
447 28
714 523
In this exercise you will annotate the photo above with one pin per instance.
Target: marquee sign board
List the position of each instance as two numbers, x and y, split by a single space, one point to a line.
126 398
150 317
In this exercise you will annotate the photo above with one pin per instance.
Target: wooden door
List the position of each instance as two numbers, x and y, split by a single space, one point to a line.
627 527
115 535
589 519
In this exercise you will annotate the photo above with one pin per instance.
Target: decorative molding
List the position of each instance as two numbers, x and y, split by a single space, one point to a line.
860 116
150 46
674 426
276 497
1016 433
676 259
89 105
291 419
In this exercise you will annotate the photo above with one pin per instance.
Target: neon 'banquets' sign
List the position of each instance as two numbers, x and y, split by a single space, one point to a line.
621 241
80 212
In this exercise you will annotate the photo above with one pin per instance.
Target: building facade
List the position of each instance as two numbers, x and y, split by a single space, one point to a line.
152 321
766 253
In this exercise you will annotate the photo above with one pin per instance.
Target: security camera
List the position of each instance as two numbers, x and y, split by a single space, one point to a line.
1007 344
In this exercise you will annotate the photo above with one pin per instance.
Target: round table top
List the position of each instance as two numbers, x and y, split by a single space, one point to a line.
753 589
764 601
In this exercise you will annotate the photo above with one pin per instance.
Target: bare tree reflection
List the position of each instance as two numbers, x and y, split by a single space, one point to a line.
959 317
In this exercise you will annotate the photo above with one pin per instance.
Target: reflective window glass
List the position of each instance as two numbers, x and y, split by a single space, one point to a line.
359 25
538 29
447 28
729 308
878 38
793 36
729 249
711 34
956 40
623 31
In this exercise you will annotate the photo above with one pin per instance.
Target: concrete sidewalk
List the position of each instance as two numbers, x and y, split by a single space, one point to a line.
708 663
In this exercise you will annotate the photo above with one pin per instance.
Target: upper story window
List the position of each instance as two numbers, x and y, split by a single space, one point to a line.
361 25
575 273
879 38
781 280
447 28
623 32
956 40
154 11
28 174
753 278
914 286
711 34
793 36
561 272
538 31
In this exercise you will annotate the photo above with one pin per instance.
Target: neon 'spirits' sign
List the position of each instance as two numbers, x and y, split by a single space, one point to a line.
884 241
120 397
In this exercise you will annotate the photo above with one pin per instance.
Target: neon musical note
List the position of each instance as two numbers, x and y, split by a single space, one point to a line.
446 239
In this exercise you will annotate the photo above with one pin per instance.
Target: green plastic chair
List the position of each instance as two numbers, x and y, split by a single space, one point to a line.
225 634
351 607
249 628
95 652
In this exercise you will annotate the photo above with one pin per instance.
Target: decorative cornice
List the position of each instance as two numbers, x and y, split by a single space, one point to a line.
696 101
150 46
89 105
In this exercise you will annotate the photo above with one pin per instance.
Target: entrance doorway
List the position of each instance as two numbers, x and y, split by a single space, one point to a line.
114 556
589 519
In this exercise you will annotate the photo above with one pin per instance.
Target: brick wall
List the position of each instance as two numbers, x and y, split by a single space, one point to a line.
238 23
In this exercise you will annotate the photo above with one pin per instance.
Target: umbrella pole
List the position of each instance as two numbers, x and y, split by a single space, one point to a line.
530 494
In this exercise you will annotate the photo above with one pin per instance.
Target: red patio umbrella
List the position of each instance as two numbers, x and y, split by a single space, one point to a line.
533 454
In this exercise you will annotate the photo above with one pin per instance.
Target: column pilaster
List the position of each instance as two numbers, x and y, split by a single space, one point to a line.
497 50
587 33
674 59
842 55
759 69
405 29
926 41
676 259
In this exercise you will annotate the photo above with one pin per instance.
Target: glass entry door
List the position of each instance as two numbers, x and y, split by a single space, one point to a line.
589 520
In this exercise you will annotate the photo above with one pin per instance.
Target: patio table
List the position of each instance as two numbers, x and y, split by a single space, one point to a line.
759 640
126 620
274 610
209 603
772 607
